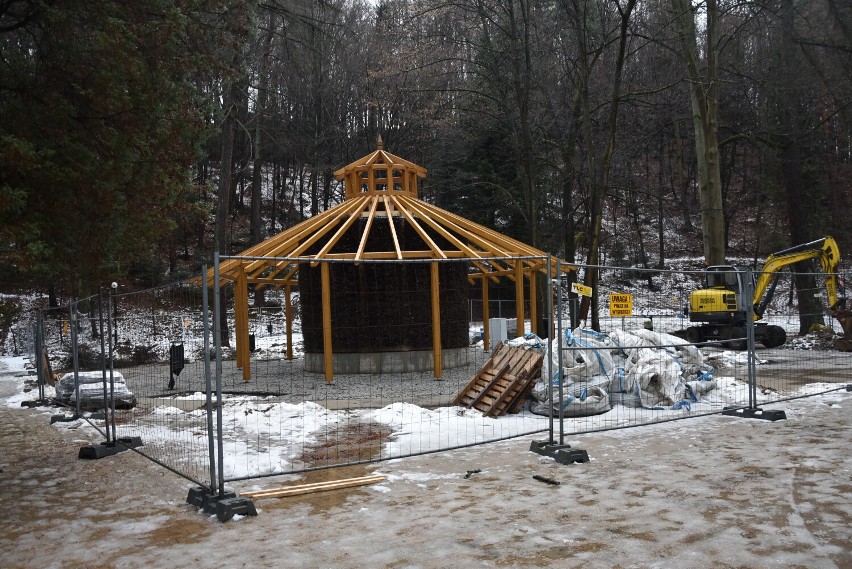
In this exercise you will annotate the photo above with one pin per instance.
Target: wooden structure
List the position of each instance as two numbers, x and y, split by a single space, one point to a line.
503 383
381 190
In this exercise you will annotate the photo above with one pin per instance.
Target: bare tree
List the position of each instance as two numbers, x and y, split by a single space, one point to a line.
703 80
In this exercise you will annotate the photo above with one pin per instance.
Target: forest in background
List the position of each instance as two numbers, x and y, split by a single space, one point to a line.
138 137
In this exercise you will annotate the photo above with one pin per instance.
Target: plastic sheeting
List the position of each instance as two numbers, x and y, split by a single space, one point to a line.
636 368
91 390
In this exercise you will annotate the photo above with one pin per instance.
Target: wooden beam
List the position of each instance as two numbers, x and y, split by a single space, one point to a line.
533 302
486 325
519 297
345 209
436 251
294 239
374 203
476 233
276 242
241 322
463 249
328 357
288 319
297 490
353 216
424 216
392 228
436 321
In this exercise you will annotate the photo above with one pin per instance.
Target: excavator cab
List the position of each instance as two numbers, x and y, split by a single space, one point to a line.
722 296
722 276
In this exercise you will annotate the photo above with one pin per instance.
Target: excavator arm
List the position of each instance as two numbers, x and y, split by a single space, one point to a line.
825 249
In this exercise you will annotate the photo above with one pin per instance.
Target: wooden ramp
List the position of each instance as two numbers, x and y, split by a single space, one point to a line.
503 383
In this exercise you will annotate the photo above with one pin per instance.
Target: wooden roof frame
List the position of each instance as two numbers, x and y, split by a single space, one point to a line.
383 185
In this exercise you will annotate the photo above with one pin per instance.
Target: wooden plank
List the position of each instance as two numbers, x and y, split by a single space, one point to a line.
436 322
367 226
326 323
288 319
490 384
470 385
499 403
531 375
389 211
503 382
436 251
285 491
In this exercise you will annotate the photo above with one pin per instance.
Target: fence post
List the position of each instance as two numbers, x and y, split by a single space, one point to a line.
110 411
752 372
562 453
112 445
560 339
752 411
40 354
551 326
72 317
103 359
205 312
217 339
224 504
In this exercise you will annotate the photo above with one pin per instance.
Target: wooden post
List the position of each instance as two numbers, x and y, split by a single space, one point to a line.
237 321
288 317
533 303
486 326
241 322
519 297
328 358
436 321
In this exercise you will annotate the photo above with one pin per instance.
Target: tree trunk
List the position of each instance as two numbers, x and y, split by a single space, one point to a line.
257 170
703 94
601 182
799 210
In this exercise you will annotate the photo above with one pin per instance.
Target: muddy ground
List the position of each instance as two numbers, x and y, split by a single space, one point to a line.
711 492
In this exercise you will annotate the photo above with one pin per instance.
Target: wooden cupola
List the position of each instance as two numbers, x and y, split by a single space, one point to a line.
381 173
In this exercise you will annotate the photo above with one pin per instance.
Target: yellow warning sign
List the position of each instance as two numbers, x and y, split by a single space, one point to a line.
581 289
620 304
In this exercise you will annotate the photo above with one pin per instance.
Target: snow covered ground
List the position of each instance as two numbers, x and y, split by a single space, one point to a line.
712 492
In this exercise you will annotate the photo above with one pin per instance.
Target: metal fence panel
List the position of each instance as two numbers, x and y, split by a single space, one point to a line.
157 340
384 400
279 411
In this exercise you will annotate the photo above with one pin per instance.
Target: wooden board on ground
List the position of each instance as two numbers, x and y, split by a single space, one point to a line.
285 491
503 383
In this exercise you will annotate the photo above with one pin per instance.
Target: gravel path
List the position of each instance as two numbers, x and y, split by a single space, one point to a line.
289 381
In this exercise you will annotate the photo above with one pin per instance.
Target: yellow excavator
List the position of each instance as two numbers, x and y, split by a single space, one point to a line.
721 306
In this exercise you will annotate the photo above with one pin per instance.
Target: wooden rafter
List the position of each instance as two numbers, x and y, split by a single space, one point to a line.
380 185
491 253
392 229
436 251
371 215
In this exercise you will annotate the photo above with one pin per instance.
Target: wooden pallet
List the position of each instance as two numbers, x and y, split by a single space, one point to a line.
503 383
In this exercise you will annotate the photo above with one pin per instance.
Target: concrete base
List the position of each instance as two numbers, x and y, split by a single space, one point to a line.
109 448
563 454
756 413
225 505
388 362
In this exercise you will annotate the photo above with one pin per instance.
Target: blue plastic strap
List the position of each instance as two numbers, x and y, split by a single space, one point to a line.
594 350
